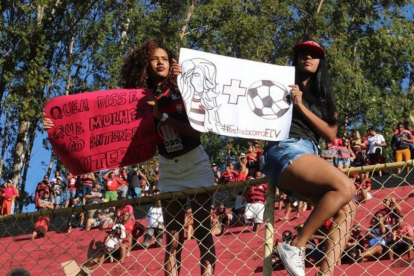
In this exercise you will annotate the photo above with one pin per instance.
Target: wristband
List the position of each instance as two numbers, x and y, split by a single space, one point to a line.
164 117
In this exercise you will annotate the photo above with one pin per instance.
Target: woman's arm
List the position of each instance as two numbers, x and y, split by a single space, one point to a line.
396 208
352 155
47 123
124 175
381 226
142 175
352 243
183 127
40 203
91 176
50 206
120 181
321 127
105 176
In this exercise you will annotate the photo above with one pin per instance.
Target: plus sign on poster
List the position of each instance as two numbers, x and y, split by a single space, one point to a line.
236 97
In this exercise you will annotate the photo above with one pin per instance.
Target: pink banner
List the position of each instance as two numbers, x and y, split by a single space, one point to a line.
101 130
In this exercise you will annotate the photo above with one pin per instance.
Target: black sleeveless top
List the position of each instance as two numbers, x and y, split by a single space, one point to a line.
301 128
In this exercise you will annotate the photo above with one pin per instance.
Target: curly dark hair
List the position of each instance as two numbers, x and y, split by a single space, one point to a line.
134 71
320 93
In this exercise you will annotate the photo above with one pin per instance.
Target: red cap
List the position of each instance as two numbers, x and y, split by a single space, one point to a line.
311 46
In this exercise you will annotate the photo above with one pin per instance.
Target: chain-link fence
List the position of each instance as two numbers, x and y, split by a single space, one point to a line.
129 238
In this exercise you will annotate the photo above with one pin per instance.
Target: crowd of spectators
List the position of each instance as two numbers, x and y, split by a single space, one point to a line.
386 237
123 183
358 150
113 184
86 189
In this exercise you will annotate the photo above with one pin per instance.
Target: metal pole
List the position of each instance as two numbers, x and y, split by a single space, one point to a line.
269 230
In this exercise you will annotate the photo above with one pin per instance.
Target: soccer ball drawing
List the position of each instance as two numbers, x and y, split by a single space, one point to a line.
268 99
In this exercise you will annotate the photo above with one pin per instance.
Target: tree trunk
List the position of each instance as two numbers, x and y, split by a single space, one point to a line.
19 152
32 136
4 141
51 162
68 79
319 7
187 19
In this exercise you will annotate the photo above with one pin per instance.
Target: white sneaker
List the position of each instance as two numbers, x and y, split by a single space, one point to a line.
293 258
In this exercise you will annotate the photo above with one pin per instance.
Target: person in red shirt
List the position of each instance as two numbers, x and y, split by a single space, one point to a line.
337 142
244 171
112 184
402 239
42 223
251 160
259 153
87 181
123 187
72 185
41 188
255 198
8 193
236 173
228 176
124 209
391 210
130 227
363 186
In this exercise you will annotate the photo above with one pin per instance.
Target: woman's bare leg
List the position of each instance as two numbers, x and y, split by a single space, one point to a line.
338 237
372 252
313 178
201 205
287 211
173 213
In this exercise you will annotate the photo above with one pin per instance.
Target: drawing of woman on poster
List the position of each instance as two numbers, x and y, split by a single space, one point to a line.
199 93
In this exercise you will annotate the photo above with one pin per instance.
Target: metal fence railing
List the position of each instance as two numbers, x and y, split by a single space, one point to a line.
240 248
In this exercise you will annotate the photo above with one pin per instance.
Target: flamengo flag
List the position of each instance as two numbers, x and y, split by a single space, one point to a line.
101 130
236 97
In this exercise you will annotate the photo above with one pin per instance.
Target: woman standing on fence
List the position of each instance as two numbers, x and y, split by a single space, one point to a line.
183 164
293 164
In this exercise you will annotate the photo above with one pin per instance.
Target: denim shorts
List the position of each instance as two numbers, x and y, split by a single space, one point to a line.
279 154
56 199
344 162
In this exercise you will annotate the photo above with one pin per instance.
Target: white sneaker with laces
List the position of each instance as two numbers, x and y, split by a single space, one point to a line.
293 258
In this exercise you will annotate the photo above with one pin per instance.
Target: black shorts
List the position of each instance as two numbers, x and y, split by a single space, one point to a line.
401 247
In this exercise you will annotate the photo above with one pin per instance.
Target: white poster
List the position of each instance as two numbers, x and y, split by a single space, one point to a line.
236 97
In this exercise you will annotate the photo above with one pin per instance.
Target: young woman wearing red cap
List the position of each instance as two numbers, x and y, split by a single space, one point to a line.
293 164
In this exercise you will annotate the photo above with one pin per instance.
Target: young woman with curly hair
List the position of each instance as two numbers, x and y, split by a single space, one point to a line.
293 165
183 163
